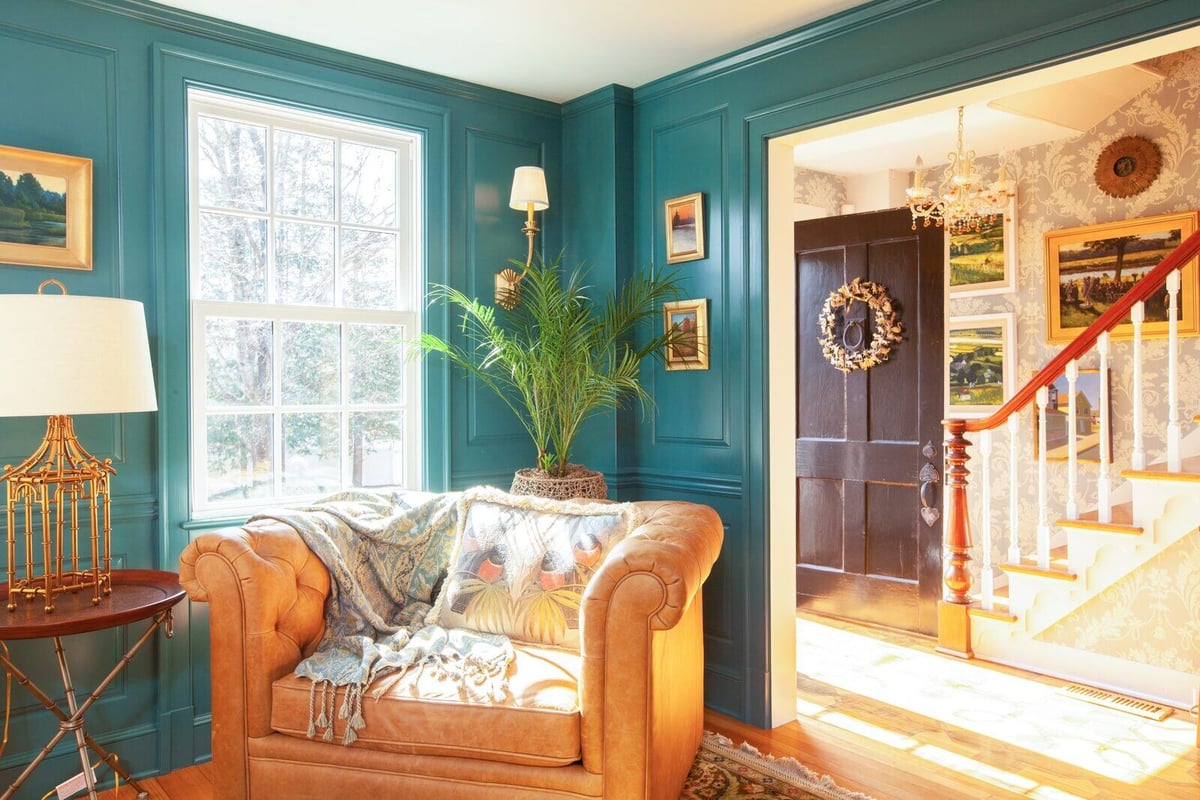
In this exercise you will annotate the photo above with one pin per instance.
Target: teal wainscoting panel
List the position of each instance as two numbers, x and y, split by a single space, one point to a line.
492 441
694 405
597 193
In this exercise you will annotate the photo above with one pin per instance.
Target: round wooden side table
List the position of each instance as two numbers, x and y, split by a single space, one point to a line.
137 594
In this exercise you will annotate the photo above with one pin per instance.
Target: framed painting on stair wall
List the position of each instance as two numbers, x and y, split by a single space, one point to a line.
1090 268
979 374
984 261
1088 429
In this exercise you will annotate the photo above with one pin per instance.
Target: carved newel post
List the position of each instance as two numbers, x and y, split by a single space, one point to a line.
954 622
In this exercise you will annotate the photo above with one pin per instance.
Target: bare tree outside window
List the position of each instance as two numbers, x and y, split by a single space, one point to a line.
304 284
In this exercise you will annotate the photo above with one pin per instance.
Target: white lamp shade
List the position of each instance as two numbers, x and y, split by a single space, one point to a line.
70 354
529 186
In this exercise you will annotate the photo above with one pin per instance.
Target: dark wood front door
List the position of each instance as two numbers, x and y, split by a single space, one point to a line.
864 552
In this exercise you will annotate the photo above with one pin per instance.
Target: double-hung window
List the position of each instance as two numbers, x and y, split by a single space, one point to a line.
304 254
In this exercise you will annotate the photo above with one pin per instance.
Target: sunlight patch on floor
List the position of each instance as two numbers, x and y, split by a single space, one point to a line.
958 763
1026 714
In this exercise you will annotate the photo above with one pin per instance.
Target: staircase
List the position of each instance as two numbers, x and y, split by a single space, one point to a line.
1063 610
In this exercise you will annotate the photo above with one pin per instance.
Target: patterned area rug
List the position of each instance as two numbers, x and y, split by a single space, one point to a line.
724 771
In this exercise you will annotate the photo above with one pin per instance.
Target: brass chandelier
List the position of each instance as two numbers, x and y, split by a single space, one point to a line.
963 202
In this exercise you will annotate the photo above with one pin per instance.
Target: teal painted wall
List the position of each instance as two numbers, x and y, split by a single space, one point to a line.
704 130
107 80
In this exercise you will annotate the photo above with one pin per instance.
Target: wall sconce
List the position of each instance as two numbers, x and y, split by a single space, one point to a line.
528 195
67 355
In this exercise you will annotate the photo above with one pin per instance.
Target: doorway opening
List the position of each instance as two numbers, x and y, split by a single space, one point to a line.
783 332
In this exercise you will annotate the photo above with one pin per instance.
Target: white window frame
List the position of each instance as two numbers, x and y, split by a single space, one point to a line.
409 260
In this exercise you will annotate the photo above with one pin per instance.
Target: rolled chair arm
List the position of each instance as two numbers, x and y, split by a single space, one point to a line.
267 595
642 647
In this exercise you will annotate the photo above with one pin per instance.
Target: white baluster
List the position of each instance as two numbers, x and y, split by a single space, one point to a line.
1014 543
1043 528
1072 444
985 571
1138 315
1174 434
1103 482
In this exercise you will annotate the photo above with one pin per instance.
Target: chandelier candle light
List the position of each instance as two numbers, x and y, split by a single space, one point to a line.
67 355
963 203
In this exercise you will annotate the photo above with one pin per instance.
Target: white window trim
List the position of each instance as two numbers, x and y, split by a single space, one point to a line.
407 313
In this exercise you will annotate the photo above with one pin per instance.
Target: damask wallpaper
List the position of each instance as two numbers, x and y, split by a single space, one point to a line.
820 189
1148 616
1056 190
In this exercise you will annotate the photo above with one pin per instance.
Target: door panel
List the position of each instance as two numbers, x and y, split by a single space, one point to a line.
863 551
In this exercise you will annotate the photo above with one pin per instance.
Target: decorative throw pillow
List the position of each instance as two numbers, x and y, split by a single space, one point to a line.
521 563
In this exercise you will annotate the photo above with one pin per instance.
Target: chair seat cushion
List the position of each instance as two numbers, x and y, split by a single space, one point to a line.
538 724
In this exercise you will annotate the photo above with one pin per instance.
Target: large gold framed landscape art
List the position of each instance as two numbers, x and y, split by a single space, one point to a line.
1090 268
45 209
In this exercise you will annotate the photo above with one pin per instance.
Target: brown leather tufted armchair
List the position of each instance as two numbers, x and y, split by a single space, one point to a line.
620 719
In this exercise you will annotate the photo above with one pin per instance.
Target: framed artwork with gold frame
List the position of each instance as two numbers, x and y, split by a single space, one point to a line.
685 228
1090 268
45 209
690 319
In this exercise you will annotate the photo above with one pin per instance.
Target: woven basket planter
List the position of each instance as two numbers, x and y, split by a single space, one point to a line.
578 482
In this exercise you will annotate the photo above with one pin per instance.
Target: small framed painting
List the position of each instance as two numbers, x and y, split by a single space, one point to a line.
984 261
45 209
980 374
685 228
688 321
1087 433
1090 268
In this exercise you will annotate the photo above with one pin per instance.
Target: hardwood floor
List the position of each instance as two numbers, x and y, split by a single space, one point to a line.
898 747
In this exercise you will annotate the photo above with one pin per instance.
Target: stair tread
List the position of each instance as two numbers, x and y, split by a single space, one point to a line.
1122 520
1190 471
1058 566
999 610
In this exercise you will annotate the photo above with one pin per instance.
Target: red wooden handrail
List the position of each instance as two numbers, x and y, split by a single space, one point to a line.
954 624
1154 279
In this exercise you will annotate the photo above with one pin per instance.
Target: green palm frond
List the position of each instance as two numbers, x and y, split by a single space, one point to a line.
559 358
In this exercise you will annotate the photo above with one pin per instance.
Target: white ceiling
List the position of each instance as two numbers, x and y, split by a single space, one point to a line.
553 49
1057 110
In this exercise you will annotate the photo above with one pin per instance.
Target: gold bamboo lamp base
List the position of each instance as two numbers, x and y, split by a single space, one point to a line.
54 488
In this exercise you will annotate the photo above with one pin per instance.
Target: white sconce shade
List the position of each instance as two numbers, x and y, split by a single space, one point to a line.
529 186
71 354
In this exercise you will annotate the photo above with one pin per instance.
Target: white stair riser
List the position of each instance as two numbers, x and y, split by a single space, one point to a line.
1167 510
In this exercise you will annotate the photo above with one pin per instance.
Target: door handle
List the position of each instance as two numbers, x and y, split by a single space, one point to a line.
929 478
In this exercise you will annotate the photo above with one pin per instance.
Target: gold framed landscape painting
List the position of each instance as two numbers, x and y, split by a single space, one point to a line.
690 319
45 209
1090 268
984 261
685 228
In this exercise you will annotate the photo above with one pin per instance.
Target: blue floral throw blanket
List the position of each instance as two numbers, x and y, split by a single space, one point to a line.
385 553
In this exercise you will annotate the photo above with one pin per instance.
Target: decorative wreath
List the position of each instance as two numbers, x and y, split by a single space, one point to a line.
853 352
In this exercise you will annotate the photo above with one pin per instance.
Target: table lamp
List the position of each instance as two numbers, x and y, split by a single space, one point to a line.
66 355
529 195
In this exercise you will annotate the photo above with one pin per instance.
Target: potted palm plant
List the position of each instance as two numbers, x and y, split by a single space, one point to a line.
557 359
